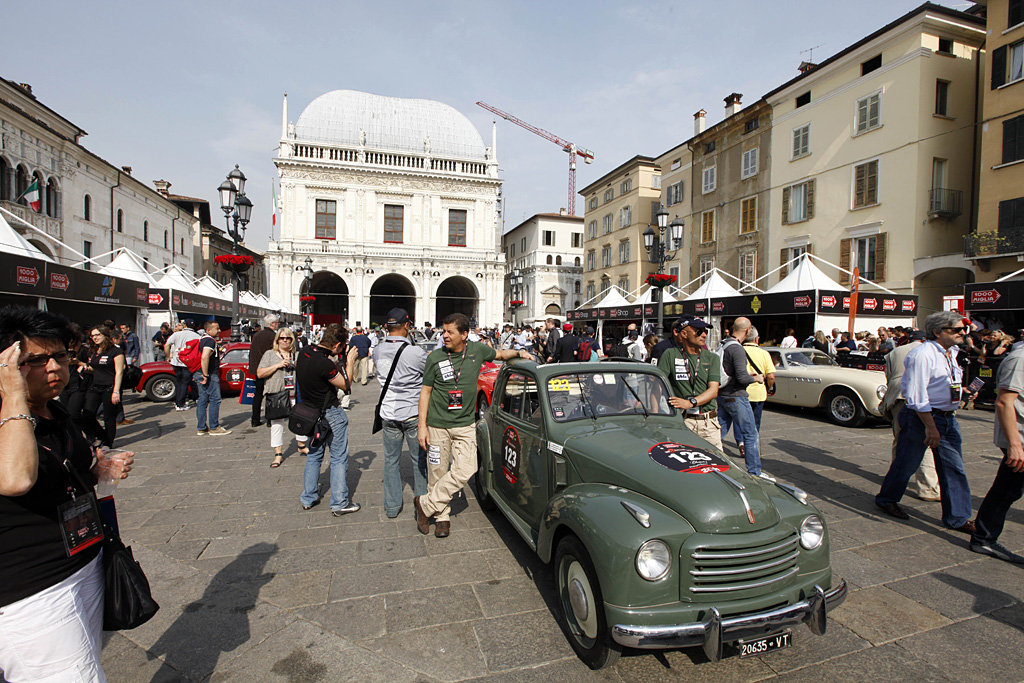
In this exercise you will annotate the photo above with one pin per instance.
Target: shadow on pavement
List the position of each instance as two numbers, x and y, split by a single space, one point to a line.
217 622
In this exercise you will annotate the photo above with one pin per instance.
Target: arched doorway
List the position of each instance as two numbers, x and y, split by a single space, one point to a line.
553 309
457 295
387 292
331 292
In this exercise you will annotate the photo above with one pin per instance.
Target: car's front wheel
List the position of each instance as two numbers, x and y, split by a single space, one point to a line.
483 496
481 406
844 408
160 388
582 605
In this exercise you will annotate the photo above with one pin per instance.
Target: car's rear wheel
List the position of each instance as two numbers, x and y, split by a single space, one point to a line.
582 605
844 408
160 388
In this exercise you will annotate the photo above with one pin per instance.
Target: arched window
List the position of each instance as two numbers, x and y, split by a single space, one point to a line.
5 179
145 231
549 259
165 239
21 182
182 246
576 288
87 208
558 260
52 198
120 220
577 262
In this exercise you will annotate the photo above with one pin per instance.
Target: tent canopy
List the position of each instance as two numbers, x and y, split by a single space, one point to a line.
805 275
612 299
207 286
645 298
129 265
11 242
715 286
176 278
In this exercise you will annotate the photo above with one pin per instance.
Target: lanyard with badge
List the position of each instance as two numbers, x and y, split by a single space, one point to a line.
684 373
954 383
79 518
448 374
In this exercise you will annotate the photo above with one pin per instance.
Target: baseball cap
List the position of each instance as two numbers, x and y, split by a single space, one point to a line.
567 327
589 330
190 323
397 316
691 321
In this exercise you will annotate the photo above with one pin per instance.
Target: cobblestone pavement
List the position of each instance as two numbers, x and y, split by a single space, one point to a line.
254 588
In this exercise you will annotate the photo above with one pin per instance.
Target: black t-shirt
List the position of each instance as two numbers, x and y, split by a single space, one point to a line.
208 342
103 366
565 351
661 347
314 371
30 542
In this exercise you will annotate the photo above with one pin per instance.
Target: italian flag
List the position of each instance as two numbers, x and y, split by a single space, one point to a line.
31 195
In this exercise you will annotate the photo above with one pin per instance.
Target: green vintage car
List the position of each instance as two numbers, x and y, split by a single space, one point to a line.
656 538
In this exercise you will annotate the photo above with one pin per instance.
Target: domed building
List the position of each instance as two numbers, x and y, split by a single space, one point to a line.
396 201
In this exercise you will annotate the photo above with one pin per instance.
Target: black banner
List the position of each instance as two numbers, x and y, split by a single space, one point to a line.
24 275
789 303
994 296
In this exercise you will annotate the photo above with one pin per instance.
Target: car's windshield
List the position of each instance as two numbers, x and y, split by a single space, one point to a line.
579 395
807 357
236 356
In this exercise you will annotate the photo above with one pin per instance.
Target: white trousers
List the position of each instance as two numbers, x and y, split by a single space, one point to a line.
277 434
55 636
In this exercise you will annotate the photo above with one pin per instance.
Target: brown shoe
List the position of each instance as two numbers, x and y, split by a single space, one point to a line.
967 527
422 521
442 529
126 421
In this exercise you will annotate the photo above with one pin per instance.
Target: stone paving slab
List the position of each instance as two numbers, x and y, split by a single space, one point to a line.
254 588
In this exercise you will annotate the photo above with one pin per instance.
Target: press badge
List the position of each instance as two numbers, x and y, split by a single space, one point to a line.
682 370
80 524
455 399
289 381
446 369
954 393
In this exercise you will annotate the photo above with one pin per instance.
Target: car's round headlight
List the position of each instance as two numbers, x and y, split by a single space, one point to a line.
812 532
653 560
880 391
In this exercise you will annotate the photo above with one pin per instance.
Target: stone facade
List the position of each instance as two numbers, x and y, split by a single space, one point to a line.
396 202
547 248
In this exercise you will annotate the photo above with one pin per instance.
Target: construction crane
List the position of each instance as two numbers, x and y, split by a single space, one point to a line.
569 147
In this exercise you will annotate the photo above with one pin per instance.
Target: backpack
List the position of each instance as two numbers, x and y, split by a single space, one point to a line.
191 355
620 350
584 349
720 352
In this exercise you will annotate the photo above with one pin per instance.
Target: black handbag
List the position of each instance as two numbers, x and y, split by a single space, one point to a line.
127 599
303 418
278 405
378 424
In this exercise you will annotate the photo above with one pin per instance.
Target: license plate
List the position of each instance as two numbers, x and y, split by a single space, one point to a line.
765 644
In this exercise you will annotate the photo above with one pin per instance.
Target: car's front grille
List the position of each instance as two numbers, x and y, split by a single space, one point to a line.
726 569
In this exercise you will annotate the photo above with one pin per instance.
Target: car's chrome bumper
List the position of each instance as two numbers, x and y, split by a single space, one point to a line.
712 633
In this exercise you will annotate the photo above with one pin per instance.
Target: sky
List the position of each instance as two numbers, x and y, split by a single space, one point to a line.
183 91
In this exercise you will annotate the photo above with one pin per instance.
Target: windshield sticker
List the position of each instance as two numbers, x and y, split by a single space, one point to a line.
558 384
687 459
598 379
554 447
511 448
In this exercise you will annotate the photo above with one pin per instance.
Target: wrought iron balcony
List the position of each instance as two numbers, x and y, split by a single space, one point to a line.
993 243
945 203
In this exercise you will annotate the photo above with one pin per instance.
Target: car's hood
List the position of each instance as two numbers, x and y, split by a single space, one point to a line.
619 451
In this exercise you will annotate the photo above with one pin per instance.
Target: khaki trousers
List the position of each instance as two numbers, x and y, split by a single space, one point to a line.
455 447
926 480
710 429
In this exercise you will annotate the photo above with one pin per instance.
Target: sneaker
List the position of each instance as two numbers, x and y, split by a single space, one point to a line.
997 551
767 477
180 409
351 507
202 432
219 431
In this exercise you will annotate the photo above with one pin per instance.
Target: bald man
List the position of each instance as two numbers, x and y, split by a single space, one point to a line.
733 401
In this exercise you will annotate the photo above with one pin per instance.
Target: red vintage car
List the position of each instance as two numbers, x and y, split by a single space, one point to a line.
158 378
485 387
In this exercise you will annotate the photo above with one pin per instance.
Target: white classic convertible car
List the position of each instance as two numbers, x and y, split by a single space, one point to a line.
811 379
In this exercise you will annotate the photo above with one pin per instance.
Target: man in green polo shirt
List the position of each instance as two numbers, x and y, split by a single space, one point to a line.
694 374
447 411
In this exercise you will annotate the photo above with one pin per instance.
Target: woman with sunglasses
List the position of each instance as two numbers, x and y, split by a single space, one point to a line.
107 366
277 370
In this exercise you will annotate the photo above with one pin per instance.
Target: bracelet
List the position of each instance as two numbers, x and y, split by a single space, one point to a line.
19 416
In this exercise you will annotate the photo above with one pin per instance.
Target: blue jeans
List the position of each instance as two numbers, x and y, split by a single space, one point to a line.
394 431
337 442
736 410
949 465
757 407
209 399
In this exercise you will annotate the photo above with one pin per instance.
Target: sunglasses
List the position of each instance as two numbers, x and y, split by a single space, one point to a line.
287 338
61 357
955 330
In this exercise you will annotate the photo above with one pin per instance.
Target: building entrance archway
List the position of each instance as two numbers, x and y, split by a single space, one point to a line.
457 295
331 292
387 292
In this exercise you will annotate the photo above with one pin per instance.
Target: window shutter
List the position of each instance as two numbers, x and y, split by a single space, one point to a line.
881 249
859 174
1016 13
874 105
783 257
871 183
844 260
1005 217
810 199
998 67
785 206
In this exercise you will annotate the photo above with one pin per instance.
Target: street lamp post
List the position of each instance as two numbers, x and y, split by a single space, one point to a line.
516 283
237 211
307 306
658 251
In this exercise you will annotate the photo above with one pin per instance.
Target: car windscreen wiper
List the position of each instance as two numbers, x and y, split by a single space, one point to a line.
585 400
632 391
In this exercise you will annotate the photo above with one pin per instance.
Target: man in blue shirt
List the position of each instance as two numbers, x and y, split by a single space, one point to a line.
362 345
132 348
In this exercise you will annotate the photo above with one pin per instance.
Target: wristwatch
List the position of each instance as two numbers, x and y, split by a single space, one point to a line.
693 401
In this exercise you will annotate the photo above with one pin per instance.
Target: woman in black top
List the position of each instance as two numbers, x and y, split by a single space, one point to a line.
51 597
107 366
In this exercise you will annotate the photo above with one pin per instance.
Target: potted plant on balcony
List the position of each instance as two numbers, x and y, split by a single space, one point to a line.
236 263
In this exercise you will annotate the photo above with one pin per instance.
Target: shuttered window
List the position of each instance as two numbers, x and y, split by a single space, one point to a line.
869 254
865 184
1007 64
798 202
710 178
749 163
748 215
707 227
802 141
869 112
1015 13
1011 216
788 254
1013 139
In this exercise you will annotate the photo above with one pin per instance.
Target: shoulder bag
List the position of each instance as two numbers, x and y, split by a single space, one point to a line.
303 418
378 424
278 404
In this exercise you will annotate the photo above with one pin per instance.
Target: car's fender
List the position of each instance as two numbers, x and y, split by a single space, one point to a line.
612 535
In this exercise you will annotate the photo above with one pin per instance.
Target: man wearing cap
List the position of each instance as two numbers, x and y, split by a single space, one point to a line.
694 375
182 376
447 408
399 408
566 350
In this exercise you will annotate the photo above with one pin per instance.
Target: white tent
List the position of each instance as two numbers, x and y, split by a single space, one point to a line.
246 297
207 286
645 298
612 299
805 275
11 242
177 279
714 287
129 265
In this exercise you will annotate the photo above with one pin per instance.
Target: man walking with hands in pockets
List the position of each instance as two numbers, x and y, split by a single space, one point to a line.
446 413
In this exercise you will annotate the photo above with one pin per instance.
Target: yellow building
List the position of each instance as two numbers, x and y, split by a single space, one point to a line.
675 165
873 155
997 247
619 207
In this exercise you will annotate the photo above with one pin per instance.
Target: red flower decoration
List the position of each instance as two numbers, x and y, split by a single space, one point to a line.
235 260
660 279
516 302
307 298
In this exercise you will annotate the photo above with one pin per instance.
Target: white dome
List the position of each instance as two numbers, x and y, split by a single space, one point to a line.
390 123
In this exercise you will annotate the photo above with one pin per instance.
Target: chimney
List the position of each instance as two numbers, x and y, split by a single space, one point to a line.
162 186
806 66
28 89
732 104
562 211
127 169
699 121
